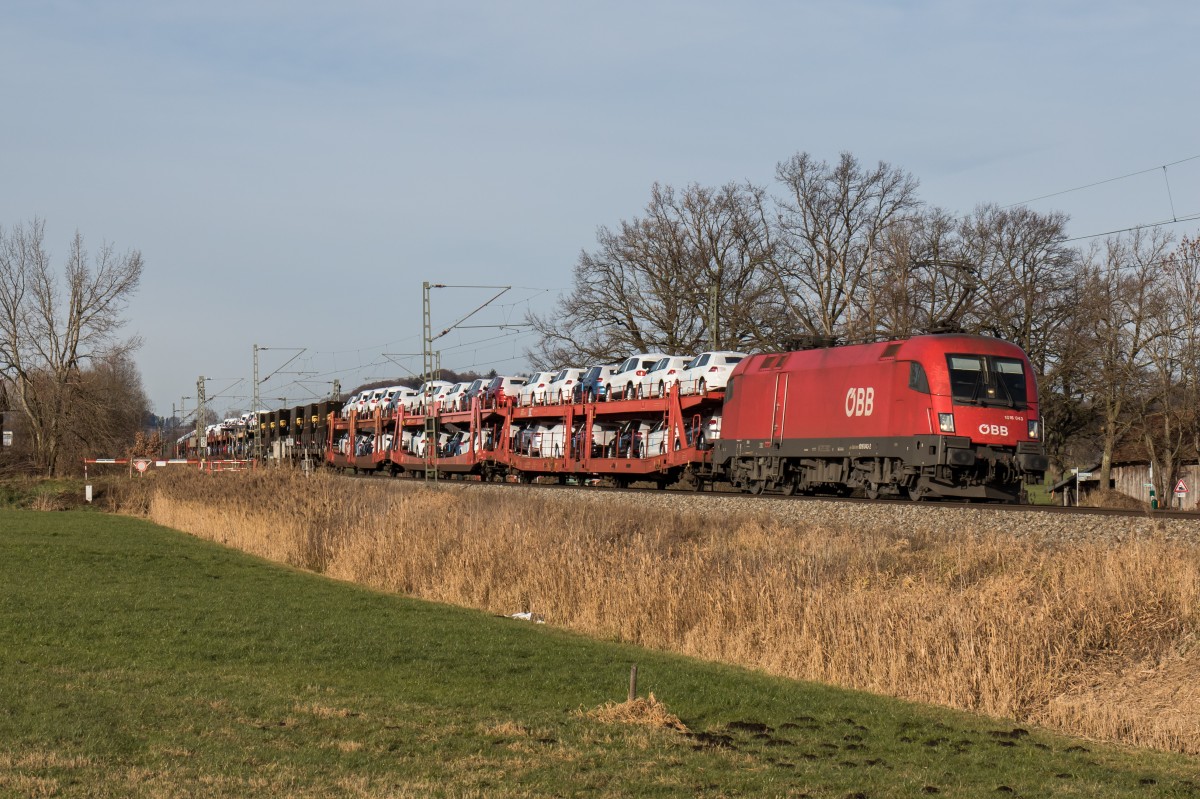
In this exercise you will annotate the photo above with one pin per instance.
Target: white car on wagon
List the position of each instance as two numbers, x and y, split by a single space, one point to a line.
663 375
708 371
624 382
537 390
562 388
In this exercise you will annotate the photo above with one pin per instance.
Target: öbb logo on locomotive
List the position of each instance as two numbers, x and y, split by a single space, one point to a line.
860 401
993 430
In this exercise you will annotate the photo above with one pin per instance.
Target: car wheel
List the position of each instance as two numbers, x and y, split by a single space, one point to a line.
662 389
628 391
703 387
608 392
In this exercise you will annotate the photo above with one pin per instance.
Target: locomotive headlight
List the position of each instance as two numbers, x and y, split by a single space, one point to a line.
946 422
1035 429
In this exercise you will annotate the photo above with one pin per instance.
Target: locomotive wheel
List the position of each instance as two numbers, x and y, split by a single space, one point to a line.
872 491
916 494
789 488
757 486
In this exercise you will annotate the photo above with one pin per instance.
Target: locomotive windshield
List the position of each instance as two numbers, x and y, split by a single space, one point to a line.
987 380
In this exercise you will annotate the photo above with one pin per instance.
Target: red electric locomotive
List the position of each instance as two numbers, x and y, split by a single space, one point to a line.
932 416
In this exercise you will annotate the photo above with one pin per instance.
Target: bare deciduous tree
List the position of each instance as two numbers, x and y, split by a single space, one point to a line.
1184 265
649 285
828 226
1123 297
1026 282
1171 415
51 326
1028 291
921 281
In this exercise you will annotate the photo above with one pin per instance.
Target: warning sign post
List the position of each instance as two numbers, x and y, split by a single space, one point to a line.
1181 488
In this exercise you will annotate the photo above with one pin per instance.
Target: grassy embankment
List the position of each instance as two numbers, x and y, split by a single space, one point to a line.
1093 638
141 662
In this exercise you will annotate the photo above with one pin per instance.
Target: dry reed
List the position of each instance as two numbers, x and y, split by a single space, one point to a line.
1094 638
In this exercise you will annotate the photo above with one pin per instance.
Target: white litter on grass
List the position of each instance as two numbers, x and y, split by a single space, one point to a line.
536 618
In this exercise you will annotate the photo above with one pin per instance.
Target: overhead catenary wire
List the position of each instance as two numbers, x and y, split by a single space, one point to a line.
1102 182
510 332
1146 226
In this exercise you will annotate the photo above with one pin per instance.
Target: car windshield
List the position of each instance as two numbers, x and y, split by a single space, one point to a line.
987 380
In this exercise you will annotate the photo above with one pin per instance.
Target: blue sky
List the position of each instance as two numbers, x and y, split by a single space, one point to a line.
293 171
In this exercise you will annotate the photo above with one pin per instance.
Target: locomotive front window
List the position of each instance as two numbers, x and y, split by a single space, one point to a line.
987 380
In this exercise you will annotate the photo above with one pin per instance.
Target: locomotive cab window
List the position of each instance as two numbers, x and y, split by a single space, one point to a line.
917 380
987 380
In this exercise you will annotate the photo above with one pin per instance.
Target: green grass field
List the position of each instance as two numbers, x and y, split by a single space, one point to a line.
136 661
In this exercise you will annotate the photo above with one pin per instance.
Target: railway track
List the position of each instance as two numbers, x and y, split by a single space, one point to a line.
650 490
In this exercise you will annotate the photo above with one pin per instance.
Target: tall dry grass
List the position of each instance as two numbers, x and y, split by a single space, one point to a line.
1097 639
